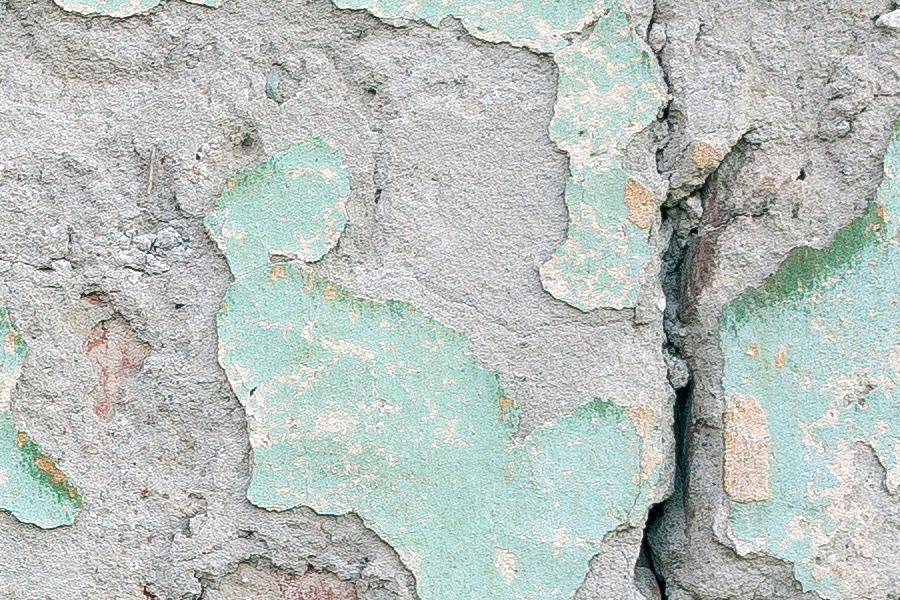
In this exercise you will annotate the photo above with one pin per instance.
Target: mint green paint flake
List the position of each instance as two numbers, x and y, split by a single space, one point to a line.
119 8
32 488
607 93
818 347
297 201
375 408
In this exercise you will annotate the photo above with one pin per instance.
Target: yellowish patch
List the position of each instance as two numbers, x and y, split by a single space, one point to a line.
639 200
747 447
705 155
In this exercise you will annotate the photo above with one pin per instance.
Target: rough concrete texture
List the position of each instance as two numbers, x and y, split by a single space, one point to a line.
780 118
467 177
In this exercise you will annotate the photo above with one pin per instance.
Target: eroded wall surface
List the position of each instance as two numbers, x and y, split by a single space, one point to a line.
462 300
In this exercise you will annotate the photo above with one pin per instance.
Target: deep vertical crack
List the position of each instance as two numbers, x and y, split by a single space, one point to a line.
680 223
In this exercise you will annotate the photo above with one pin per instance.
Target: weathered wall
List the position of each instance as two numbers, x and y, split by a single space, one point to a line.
378 300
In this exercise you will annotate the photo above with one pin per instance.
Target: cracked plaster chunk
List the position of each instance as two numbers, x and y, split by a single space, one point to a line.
375 408
817 346
889 20
32 487
120 8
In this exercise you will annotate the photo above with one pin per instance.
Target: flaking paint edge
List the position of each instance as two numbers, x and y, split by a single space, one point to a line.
807 347
119 8
304 294
609 90
32 487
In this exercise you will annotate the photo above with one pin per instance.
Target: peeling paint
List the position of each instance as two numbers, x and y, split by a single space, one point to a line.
120 8
823 338
539 26
276 225
608 91
32 487
375 408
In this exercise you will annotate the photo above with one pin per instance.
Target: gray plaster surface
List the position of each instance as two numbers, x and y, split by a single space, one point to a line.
116 137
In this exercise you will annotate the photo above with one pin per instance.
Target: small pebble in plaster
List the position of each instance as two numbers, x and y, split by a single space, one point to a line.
889 20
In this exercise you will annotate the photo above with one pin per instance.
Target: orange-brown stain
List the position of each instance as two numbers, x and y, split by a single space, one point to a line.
277 272
46 465
705 155
781 357
639 200
505 406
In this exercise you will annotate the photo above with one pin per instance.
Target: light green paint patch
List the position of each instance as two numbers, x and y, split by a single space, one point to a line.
375 408
119 8
32 488
818 348
607 93
535 24
291 205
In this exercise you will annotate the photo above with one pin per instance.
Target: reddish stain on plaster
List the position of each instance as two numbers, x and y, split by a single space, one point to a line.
116 353
96 298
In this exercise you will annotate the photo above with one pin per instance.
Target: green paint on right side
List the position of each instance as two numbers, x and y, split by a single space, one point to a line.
817 346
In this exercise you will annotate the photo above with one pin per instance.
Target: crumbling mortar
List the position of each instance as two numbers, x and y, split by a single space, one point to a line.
676 264
670 270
